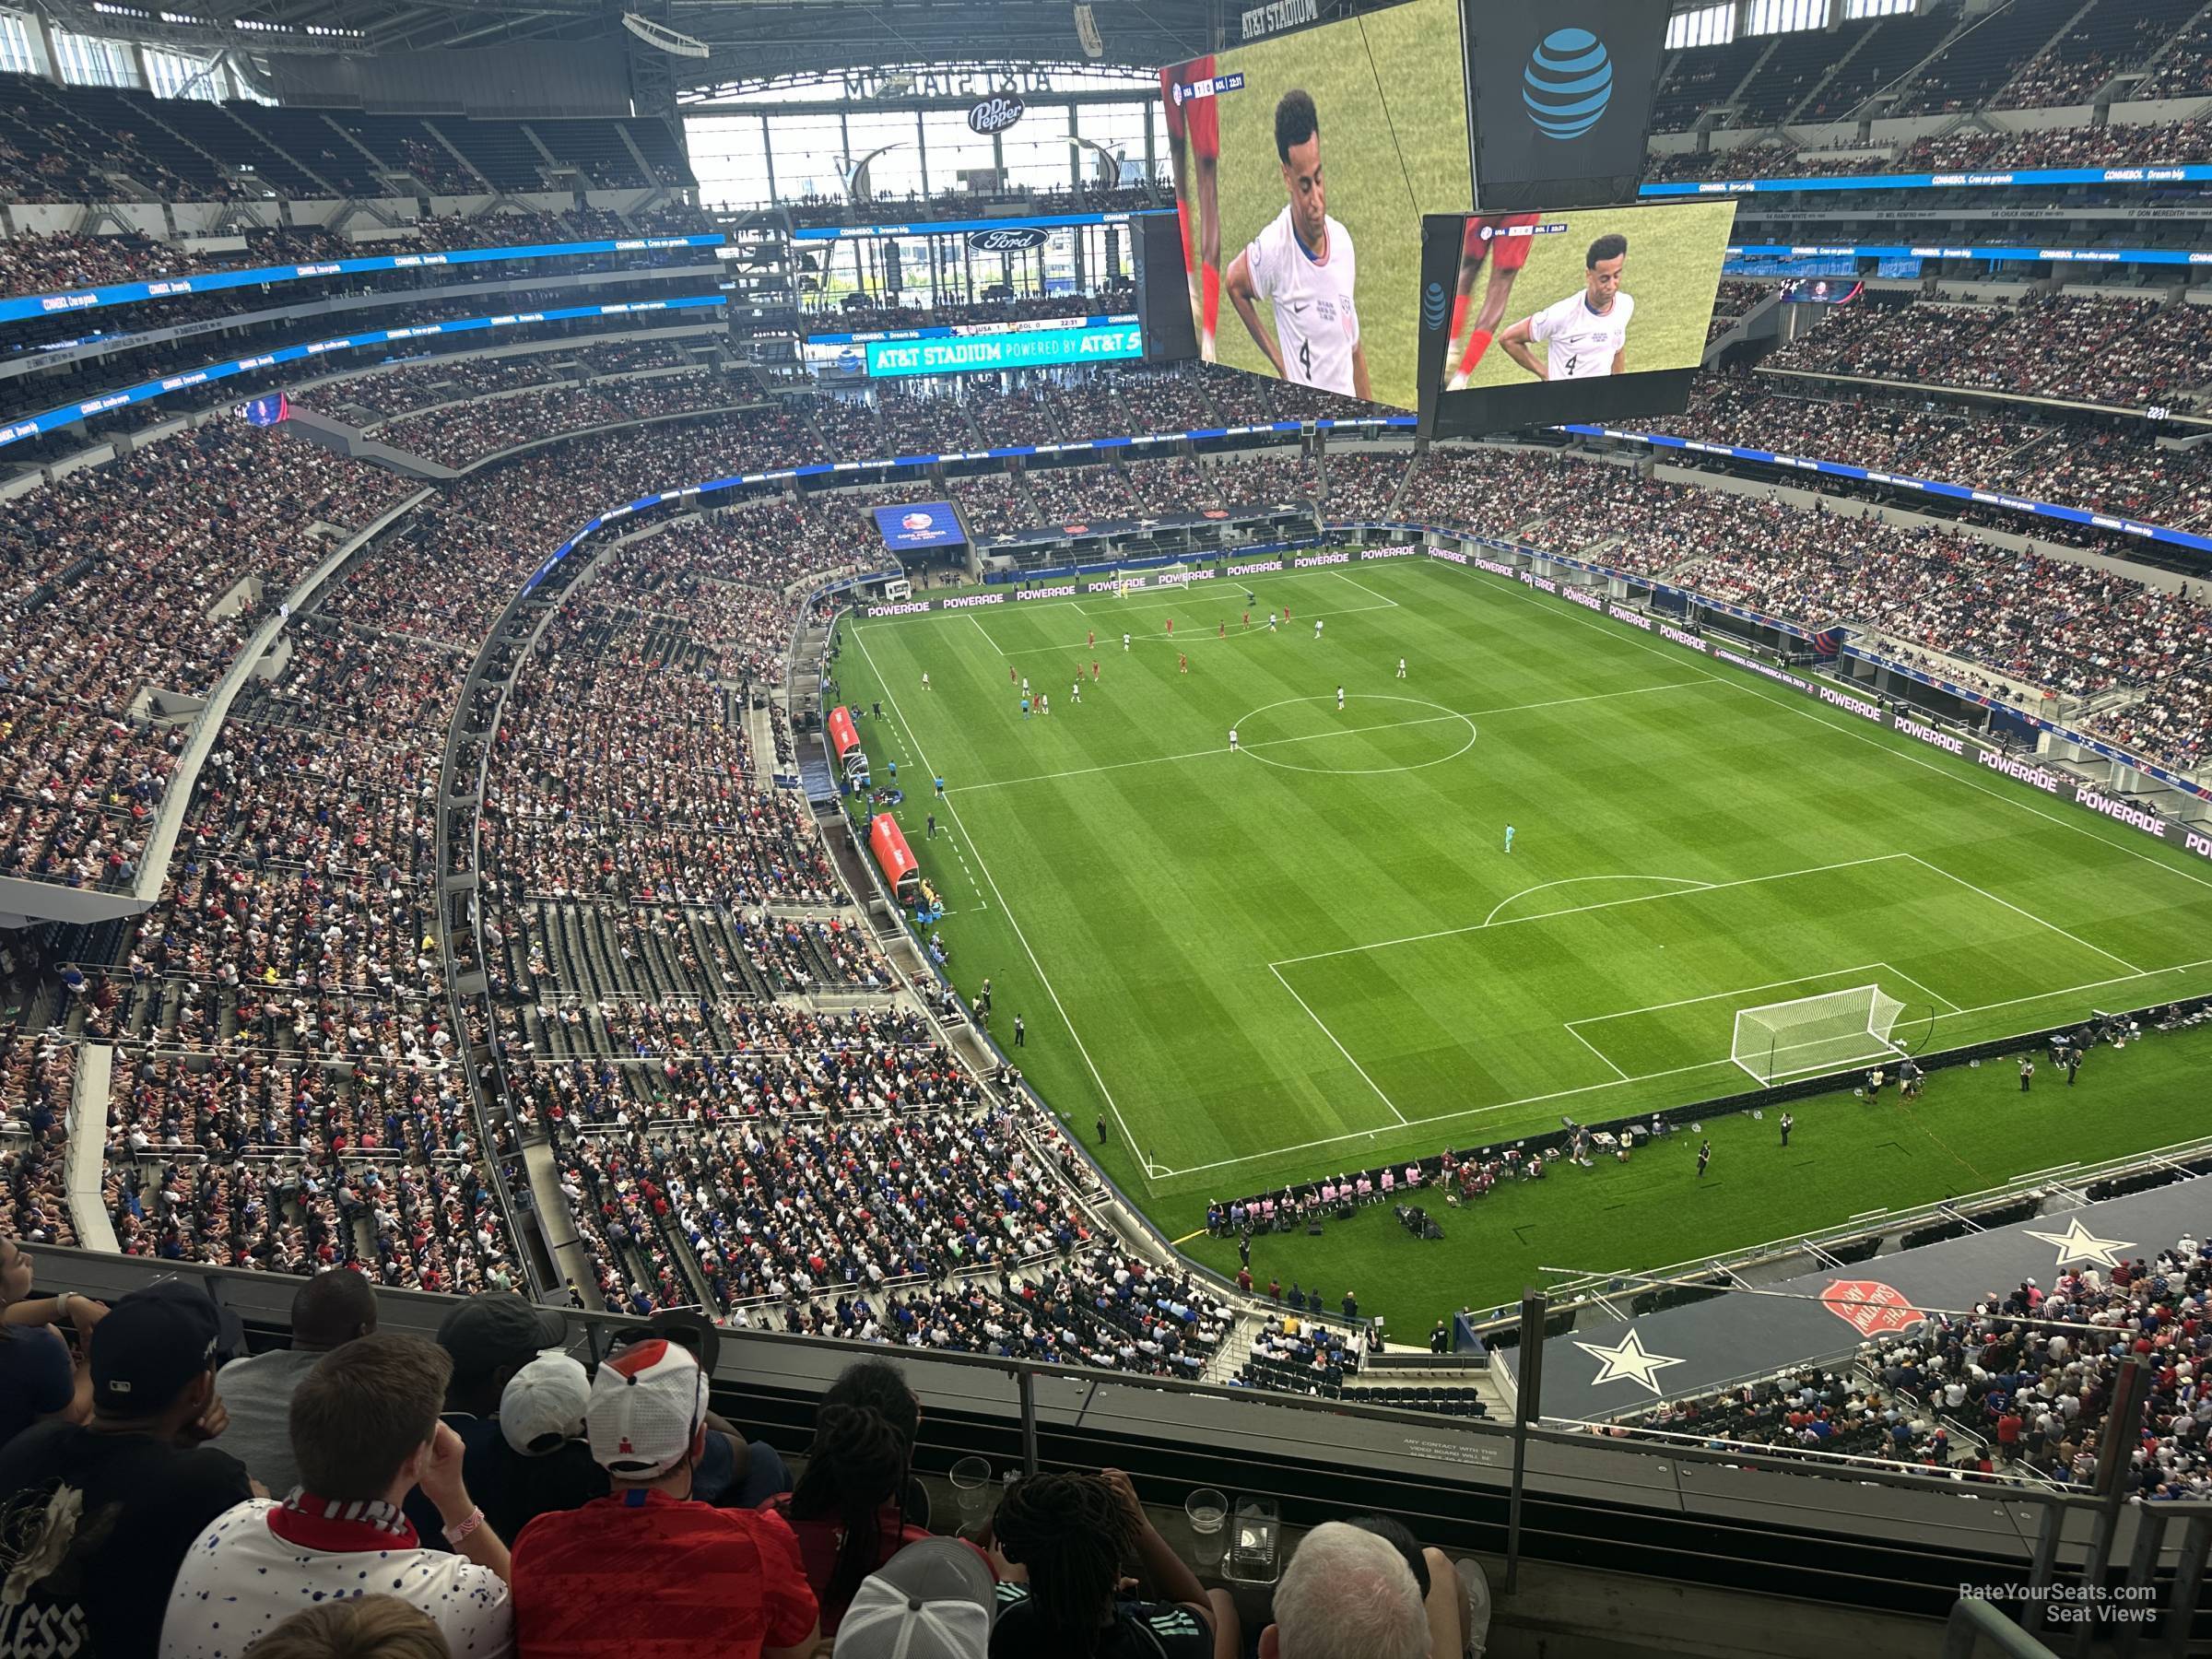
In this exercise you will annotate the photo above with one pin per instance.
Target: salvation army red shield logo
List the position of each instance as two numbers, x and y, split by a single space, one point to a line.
1870 1307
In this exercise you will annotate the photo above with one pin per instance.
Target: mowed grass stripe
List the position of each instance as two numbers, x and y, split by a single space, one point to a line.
1156 895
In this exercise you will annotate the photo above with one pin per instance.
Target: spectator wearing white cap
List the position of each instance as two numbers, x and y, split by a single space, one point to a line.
365 1429
933 1600
649 1570
540 1461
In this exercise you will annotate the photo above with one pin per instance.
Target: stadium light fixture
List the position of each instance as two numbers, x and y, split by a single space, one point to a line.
665 40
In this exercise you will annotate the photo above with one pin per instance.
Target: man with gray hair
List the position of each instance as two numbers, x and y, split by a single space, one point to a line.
1347 1595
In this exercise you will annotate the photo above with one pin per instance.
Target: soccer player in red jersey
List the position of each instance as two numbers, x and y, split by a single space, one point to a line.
1182 664
1012 678
1194 150
1170 625
1485 239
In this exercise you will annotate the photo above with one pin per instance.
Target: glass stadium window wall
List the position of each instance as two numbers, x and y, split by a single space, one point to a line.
788 153
947 269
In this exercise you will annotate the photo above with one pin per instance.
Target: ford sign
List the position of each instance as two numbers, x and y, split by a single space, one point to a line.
996 113
1012 239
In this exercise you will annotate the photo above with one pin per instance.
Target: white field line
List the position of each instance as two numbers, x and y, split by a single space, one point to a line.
1197 634
2031 916
1342 1050
1380 725
1596 1050
2080 823
1446 932
1128 1140
1677 1071
1367 591
1927 990
1570 880
979 629
1684 1002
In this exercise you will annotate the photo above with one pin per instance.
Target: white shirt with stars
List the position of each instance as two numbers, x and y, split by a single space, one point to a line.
241 1580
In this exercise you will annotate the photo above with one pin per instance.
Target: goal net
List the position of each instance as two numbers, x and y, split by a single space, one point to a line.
1812 1034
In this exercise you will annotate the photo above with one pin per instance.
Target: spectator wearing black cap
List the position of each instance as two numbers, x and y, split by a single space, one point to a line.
328 1312
38 1377
95 1518
648 1568
488 1338
365 1429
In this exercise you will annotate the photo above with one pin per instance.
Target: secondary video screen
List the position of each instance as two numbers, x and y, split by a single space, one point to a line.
1574 296
1303 166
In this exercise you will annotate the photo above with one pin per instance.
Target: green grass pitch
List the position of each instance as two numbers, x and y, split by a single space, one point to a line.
1393 137
1316 954
1673 271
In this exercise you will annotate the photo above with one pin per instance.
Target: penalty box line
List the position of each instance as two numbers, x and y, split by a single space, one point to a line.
1718 887
1801 979
1164 1173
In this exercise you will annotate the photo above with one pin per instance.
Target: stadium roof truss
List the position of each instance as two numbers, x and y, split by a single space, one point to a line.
750 40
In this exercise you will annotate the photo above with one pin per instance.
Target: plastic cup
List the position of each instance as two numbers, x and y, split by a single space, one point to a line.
1207 1511
972 1484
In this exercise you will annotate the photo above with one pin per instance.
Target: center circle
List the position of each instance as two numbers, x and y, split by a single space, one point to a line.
1285 751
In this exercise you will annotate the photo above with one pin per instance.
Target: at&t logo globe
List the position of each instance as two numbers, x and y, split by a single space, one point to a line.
1432 306
1568 83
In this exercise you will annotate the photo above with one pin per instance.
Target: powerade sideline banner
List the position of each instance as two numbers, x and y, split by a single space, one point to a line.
1562 100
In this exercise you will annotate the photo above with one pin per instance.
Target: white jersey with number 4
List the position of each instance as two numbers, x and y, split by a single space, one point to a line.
1316 324
1580 343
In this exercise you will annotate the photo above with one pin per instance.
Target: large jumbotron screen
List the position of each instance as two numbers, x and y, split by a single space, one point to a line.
1303 164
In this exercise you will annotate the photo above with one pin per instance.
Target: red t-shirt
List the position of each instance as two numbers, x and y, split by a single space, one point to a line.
642 1575
820 1542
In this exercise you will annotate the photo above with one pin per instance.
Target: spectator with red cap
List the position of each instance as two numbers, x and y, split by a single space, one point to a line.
687 1578
97 1517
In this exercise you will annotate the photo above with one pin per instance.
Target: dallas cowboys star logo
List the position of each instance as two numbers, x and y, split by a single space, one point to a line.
2078 1244
1630 1359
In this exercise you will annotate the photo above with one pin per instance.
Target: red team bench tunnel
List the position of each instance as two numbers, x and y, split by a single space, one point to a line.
894 857
844 737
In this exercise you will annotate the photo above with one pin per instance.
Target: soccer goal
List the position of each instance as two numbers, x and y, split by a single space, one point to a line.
1812 1034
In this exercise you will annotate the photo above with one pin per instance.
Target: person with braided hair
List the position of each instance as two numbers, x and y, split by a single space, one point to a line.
1073 1533
845 1509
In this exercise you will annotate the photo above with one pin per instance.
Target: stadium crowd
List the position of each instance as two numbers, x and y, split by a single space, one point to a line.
195 1501
2132 353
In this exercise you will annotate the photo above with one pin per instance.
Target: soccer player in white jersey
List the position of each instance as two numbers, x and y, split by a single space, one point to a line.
1585 335
1303 265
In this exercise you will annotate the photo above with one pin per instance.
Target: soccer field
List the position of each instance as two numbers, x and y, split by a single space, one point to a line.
1316 953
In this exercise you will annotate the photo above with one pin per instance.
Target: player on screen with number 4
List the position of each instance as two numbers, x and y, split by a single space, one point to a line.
1585 335
1303 264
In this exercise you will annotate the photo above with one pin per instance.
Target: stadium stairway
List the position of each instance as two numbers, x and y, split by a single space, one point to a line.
88 1147
1740 330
